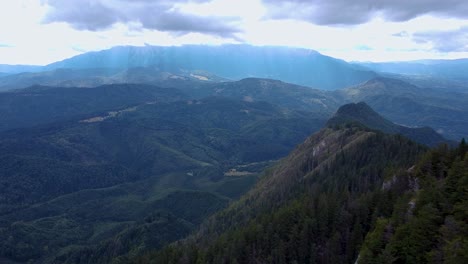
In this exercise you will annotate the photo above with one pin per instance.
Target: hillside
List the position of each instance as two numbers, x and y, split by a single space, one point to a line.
363 114
315 206
233 132
41 105
412 106
159 166
276 92
428 223
162 160
437 107
150 139
343 212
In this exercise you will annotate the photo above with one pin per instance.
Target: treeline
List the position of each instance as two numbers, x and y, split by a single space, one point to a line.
430 223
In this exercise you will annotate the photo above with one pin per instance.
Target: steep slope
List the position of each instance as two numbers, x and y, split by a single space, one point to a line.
315 206
299 66
362 113
412 106
429 223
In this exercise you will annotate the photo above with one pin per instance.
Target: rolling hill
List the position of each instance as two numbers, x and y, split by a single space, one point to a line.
85 183
41 105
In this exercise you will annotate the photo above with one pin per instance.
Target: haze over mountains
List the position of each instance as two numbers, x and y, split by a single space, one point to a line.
263 154
300 66
445 69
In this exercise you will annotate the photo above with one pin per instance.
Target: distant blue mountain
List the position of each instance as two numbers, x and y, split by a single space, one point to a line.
447 69
294 65
6 69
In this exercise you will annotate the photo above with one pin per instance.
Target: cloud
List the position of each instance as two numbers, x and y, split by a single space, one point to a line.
363 47
163 15
401 34
3 45
345 12
444 41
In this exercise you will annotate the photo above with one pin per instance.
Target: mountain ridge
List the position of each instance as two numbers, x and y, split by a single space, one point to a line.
365 115
295 65
413 106
450 69
319 183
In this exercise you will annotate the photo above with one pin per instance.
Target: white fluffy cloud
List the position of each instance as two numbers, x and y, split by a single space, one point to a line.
44 31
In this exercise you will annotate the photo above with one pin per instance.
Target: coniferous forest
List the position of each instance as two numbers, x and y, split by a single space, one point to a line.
371 208
233 132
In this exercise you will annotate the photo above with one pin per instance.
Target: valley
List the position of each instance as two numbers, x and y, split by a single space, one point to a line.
188 154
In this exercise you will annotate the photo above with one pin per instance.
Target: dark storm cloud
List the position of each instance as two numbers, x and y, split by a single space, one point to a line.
445 41
95 15
352 12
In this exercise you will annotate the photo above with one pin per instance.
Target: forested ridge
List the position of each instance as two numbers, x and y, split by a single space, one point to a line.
429 220
110 185
118 182
377 199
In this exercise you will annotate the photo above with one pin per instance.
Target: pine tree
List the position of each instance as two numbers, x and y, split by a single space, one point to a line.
462 148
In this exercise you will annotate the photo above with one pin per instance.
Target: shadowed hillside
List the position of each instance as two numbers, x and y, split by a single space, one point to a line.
316 205
363 114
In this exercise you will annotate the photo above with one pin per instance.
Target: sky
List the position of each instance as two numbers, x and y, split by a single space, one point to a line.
39 32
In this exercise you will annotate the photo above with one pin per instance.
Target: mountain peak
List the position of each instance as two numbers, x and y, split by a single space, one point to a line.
355 108
363 114
387 83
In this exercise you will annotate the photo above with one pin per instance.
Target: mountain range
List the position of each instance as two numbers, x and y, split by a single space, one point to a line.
300 66
346 195
396 100
137 161
409 100
194 154
146 158
445 69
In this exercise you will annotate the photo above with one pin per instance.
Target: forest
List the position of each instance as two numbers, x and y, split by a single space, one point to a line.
372 206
